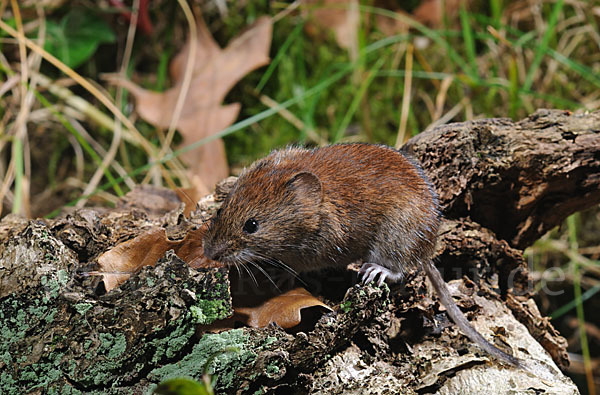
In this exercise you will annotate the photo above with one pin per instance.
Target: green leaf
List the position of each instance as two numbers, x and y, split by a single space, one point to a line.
76 37
182 386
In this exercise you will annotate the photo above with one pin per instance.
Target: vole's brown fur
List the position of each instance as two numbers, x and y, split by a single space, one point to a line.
331 206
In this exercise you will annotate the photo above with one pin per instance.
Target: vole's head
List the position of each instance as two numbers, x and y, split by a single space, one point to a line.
269 214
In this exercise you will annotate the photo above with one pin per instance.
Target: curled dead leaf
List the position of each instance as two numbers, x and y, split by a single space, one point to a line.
117 265
285 310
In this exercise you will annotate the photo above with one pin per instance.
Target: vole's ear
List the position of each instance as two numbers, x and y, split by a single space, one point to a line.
306 186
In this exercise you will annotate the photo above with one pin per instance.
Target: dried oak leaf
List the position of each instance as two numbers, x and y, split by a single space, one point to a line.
189 197
431 12
285 310
341 16
215 72
117 264
428 12
154 201
157 201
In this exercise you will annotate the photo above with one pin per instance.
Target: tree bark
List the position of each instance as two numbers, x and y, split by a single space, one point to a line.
518 179
502 184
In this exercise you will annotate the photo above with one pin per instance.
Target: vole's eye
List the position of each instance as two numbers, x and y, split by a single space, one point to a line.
219 211
251 226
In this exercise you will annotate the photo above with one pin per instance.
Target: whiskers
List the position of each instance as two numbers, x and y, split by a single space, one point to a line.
250 259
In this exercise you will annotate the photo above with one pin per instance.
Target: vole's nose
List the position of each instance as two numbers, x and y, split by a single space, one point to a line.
209 252
213 252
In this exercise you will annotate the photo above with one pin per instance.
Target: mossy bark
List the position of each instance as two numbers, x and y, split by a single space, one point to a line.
502 185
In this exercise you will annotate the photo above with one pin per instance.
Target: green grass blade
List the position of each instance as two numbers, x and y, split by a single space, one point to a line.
513 89
426 75
356 100
161 72
577 301
541 49
467 34
17 152
526 40
580 69
282 51
585 350
496 8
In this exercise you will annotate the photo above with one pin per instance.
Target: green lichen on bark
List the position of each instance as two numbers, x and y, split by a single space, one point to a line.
113 345
29 358
58 336
158 301
206 312
224 366
172 341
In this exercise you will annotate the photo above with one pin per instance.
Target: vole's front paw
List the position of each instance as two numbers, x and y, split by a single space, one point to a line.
370 271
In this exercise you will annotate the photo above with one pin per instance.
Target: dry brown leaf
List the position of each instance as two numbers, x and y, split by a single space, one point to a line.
341 16
429 12
390 26
284 309
157 201
190 197
215 72
117 264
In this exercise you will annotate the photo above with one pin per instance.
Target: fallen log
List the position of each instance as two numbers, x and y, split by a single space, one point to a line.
502 185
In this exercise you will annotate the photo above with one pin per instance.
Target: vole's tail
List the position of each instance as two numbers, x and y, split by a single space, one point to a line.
459 318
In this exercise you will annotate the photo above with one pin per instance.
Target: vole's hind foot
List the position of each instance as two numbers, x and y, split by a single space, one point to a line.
370 271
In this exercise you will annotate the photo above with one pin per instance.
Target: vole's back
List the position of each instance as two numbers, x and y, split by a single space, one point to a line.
377 204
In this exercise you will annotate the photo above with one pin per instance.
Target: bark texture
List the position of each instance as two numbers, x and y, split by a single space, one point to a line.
502 184
518 179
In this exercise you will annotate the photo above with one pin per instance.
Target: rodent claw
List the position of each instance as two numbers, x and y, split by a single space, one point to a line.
369 271
372 275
